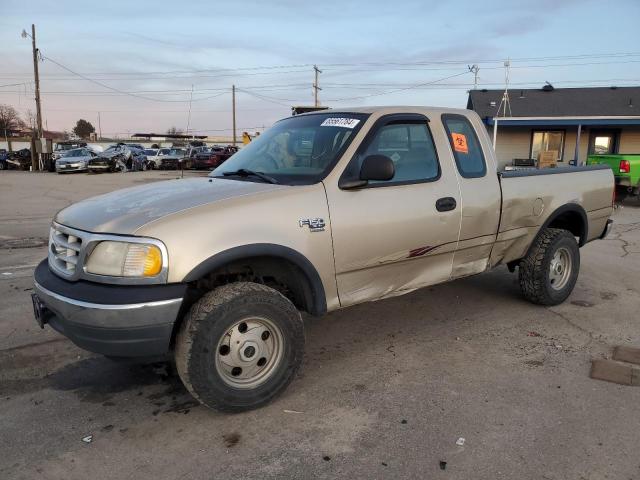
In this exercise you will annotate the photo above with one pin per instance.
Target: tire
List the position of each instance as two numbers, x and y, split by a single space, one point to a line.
3 166
555 249
208 333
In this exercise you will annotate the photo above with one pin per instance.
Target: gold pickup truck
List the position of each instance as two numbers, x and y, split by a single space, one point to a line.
323 211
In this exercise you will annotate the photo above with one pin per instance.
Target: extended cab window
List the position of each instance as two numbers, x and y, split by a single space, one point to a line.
465 146
409 145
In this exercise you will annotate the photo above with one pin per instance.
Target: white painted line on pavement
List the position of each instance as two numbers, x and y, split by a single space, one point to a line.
19 267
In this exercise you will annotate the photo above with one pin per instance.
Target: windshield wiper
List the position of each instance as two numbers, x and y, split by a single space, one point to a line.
243 172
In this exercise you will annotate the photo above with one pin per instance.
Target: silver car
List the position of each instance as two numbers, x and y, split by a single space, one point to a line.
74 160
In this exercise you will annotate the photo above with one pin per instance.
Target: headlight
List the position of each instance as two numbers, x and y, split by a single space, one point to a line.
124 259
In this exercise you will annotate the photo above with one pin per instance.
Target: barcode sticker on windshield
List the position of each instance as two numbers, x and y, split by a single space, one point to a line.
340 122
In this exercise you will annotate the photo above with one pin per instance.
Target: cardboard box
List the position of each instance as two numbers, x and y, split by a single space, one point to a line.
548 159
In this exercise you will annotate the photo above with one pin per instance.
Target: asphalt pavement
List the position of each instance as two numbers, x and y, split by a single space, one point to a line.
386 389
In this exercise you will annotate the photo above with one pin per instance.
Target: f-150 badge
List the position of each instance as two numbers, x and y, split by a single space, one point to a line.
314 224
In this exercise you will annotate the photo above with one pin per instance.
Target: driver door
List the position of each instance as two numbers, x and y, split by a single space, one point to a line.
391 237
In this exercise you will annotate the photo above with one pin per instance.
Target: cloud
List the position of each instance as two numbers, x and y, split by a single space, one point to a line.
518 26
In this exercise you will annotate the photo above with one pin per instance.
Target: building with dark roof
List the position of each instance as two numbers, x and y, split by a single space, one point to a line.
574 122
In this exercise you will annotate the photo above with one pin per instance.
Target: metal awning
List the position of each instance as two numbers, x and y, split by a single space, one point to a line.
562 121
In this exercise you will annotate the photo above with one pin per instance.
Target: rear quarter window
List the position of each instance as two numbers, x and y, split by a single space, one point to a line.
465 146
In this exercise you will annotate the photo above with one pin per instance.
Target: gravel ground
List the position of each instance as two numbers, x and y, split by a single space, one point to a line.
385 391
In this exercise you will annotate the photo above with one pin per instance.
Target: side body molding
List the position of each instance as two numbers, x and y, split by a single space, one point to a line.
316 295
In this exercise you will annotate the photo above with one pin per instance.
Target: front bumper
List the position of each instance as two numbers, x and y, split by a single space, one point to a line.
169 164
99 166
121 321
203 163
71 167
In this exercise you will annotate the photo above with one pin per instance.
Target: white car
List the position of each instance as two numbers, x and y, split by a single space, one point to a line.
74 160
153 161
163 158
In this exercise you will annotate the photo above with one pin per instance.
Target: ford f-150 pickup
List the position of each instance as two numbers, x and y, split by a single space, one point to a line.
323 211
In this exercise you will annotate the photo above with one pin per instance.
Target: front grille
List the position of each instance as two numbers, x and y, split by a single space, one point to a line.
65 247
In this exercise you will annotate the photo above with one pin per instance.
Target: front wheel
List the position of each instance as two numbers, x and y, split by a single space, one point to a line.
239 346
549 272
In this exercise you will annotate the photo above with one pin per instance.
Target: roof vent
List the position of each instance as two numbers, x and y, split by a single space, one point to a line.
548 87
484 90
613 87
492 103
521 93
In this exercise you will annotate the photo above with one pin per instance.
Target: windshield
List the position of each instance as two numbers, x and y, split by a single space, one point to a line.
177 151
74 153
150 152
63 147
298 150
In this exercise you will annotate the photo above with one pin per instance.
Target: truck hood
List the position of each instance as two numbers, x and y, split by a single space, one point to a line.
125 211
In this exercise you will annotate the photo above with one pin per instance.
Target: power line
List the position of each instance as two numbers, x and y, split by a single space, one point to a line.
399 89
122 91
277 101
349 86
174 91
417 62
14 84
146 76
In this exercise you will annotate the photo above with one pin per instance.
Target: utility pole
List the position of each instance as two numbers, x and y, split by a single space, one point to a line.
505 105
99 127
38 134
233 110
474 69
316 88
189 117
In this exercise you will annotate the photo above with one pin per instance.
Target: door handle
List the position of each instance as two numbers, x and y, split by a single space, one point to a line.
446 204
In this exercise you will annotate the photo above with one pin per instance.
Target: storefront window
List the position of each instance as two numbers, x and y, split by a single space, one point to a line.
603 142
543 141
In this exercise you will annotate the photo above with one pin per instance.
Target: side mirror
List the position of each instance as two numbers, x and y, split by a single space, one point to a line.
377 167
374 167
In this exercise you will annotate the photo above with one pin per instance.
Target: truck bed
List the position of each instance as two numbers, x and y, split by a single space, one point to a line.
531 197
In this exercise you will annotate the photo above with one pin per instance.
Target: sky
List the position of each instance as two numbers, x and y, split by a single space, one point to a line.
135 63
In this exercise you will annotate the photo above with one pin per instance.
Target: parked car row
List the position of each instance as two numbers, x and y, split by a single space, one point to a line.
81 157
62 148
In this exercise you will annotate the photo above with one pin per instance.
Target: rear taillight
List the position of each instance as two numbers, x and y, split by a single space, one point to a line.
625 166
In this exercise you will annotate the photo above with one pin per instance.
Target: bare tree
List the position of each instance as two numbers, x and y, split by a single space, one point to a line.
31 119
9 119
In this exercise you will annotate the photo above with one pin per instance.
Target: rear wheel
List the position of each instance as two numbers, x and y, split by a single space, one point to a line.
239 346
549 272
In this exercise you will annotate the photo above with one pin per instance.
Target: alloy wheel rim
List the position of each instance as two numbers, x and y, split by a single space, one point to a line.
249 352
560 269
